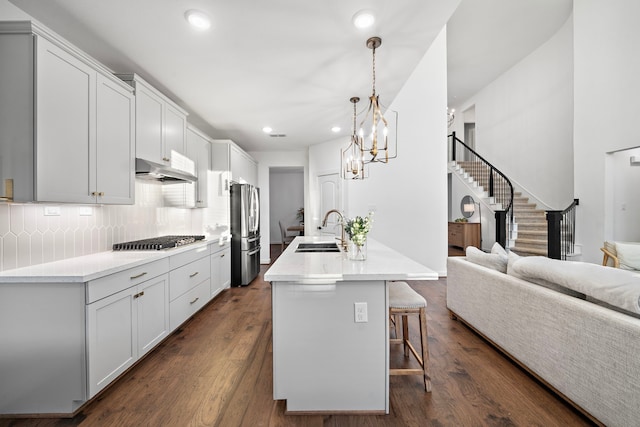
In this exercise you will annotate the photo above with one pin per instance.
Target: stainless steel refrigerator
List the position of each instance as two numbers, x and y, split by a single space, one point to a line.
245 234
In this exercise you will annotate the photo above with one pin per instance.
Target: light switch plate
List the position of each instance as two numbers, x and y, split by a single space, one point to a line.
52 211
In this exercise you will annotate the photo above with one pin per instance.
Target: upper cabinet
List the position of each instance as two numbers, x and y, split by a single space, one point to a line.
228 156
161 125
66 123
198 150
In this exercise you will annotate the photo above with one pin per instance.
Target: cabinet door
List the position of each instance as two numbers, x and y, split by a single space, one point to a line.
149 112
175 132
198 151
115 148
153 312
65 126
220 271
111 337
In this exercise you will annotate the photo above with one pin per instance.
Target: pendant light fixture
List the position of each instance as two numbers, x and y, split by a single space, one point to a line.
351 158
378 133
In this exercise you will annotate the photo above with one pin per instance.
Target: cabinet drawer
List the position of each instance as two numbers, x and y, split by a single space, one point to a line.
186 277
109 285
186 305
183 258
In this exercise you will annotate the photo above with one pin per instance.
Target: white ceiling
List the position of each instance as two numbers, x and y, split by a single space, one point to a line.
294 64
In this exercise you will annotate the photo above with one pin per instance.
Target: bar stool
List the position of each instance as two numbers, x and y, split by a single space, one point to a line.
404 301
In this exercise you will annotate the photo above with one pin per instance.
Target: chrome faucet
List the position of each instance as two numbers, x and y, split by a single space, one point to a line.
343 241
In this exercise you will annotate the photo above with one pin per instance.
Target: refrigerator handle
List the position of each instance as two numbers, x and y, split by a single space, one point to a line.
255 202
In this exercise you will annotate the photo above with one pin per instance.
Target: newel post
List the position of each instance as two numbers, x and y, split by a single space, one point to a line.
554 218
501 228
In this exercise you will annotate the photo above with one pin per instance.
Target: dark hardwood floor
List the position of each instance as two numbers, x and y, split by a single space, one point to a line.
216 370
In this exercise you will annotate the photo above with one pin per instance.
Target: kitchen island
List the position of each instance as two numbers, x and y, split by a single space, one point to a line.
330 327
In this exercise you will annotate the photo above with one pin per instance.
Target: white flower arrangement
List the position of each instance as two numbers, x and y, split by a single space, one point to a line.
358 227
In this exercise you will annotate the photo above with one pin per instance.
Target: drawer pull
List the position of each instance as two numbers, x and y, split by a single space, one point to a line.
139 294
138 275
194 274
222 256
194 301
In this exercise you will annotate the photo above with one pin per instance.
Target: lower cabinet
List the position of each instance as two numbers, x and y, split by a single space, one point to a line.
189 285
123 327
220 270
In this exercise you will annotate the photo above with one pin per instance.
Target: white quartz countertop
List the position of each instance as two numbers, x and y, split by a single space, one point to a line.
91 267
382 263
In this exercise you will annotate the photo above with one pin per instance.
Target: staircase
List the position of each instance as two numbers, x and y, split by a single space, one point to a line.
531 230
528 234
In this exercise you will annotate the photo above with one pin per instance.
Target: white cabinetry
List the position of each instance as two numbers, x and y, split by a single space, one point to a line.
226 155
59 108
243 168
198 150
69 340
161 125
190 284
220 269
123 326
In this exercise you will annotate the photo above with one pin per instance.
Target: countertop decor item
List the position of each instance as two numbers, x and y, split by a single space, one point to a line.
357 229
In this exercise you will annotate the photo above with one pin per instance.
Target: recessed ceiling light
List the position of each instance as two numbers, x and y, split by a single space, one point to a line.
267 129
197 19
335 129
363 19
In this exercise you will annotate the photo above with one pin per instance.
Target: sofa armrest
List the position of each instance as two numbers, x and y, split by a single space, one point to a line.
607 255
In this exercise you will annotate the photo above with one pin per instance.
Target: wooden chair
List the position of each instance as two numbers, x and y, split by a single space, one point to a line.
286 239
404 301
609 250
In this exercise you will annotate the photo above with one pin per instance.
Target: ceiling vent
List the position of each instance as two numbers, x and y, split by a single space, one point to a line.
277 135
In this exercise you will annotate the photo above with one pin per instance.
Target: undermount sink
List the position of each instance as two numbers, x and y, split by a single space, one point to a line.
318 247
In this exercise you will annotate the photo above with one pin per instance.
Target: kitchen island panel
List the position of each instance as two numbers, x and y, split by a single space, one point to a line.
323 360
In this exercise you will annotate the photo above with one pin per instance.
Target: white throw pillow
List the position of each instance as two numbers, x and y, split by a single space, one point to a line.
628 255
497 249
496 262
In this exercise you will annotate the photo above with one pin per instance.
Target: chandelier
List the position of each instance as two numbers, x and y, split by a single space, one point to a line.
352 158
378 134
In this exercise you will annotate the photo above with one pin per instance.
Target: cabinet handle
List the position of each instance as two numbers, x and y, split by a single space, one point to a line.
93 193
166 159
101 193
139 294
222 256
138 275
194 274
194 301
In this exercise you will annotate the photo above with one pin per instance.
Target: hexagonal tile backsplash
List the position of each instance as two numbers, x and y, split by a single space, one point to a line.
28 236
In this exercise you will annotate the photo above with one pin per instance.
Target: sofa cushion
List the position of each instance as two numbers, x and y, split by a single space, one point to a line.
619 288
514 258
628 255
494 261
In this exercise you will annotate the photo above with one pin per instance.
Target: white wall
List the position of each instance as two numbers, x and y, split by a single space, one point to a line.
276 159
410 193
524 121
286 196
607 66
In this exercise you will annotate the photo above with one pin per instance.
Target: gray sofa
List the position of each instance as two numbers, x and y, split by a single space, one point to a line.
586 351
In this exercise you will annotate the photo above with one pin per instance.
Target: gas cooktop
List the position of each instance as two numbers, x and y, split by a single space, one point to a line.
157 243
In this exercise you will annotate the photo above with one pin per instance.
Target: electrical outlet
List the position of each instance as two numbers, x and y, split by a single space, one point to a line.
360 310
52 211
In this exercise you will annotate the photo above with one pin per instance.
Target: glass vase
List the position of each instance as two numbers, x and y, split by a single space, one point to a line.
357 252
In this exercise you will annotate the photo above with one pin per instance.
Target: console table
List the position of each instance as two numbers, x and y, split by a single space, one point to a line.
463 234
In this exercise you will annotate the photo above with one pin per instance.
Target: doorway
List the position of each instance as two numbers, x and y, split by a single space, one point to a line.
286 199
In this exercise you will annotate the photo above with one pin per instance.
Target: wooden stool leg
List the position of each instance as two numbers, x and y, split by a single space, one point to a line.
425 350
405 334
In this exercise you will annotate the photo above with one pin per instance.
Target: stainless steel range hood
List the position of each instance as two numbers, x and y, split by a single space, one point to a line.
151 171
